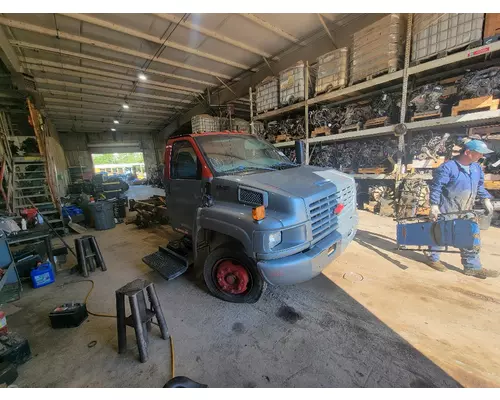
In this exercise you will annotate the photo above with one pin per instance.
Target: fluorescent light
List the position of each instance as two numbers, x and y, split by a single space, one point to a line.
125 106
116 121
113 129
142 77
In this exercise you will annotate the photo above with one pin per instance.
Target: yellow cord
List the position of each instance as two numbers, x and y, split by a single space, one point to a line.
172 353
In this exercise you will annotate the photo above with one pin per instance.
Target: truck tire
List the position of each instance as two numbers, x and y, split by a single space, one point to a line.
232 276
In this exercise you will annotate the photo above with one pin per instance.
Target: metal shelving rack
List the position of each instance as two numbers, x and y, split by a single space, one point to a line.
400 79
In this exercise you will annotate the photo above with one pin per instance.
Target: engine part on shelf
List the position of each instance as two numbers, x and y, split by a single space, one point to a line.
426 98
294 127
381 191
332 117
355 154
386 105
413 195
430 146
332 70
435 34
355 113
378 48
480 83
492 164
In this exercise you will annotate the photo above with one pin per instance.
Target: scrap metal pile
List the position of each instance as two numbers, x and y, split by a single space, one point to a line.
332 117
485 82
427 98
290 153
413 195
431 145
150 212
294 127
355 154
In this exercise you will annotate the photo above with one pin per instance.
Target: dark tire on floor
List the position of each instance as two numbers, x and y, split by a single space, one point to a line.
232 276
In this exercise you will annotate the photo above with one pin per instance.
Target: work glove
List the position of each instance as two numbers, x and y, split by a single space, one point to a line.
433 214
488 206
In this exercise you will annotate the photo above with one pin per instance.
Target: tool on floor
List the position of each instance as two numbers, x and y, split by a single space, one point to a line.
89 255
141 316
456 229
52 229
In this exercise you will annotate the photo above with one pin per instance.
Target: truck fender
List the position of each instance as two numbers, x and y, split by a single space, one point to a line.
227 229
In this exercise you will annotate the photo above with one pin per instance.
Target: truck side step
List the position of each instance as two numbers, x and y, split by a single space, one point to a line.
167 263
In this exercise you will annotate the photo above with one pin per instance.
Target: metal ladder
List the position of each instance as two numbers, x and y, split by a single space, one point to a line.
30 182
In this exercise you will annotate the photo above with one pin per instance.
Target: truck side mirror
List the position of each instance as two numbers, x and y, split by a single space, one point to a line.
300 152
206 192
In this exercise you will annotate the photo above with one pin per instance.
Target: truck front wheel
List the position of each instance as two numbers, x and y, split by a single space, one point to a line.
232 276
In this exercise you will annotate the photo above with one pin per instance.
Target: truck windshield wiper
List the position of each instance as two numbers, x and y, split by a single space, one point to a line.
247 168
284 165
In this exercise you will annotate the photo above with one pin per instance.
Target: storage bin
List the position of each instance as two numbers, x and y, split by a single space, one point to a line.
102 214
332 70
42 275
292 84
441 33
378 48
239 124
204 123
267 97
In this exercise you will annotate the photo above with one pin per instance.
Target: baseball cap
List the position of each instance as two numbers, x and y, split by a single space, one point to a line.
479 146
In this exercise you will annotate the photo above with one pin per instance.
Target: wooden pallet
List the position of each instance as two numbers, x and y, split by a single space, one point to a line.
426 115
492 185
374 75
474 105
445 53
328 89
376 122
349 128
372 171
321 131
282 138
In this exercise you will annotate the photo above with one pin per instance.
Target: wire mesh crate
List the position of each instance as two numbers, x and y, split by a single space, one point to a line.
378 48
438 34
204 123
332 70
239 124
267 94
292 84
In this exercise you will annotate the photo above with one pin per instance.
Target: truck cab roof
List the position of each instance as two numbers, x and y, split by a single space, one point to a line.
194 135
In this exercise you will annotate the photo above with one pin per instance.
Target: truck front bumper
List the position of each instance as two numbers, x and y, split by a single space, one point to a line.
305 265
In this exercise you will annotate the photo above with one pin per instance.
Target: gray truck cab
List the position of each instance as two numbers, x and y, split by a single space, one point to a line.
253 216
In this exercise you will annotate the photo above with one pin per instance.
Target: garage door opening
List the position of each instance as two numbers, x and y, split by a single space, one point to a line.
127 166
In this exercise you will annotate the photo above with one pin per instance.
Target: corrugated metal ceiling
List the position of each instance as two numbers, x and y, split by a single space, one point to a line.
86 66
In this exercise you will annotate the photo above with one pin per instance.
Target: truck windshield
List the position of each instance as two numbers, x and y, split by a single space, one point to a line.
241 153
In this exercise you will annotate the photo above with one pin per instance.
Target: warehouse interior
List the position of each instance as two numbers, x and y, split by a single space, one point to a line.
372 104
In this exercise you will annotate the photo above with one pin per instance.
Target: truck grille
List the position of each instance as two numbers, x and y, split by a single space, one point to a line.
323 219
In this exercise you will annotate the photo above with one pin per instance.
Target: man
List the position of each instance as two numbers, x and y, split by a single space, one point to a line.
454 187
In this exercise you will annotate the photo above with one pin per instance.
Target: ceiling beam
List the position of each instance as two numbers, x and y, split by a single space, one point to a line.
86 99
107 90
325 27
270 27
34 61
96 43
167 43
86 75
8 54
109 123
83 56
101 115
60 109
213 34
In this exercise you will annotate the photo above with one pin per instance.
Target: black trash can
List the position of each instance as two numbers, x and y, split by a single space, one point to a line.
102 214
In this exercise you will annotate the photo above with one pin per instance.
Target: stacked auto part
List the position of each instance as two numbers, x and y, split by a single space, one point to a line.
426 98
430 146
480 83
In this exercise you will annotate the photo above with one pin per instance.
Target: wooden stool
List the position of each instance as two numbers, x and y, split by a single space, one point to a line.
141 316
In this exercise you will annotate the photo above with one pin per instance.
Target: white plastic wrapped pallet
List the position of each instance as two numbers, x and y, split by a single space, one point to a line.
440 33
378 48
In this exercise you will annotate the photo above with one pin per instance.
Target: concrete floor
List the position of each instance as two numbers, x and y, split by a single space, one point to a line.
374 318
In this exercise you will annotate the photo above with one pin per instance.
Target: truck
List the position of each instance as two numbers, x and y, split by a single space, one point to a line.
249 216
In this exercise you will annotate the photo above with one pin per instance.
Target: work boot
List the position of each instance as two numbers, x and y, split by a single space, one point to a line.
482 273
437 265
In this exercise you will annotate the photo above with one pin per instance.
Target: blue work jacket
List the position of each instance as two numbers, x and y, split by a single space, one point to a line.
453 189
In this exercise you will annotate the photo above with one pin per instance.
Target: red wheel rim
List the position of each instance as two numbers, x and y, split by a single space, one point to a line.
232 277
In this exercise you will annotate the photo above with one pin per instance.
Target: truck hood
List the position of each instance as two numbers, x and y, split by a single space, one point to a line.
303 181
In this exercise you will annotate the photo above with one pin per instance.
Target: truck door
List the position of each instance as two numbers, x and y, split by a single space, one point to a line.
184 186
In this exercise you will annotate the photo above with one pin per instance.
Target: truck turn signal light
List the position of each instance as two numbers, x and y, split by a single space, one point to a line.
258 213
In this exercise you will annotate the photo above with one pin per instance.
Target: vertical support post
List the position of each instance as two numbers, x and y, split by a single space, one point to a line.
306 110
250 94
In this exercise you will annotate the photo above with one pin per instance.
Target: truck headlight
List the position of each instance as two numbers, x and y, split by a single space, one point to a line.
274 239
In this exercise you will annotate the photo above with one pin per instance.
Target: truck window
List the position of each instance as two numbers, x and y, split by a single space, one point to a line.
185 163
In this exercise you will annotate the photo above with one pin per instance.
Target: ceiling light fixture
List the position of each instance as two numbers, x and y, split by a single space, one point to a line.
116 121
113 129
125 106
142 77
